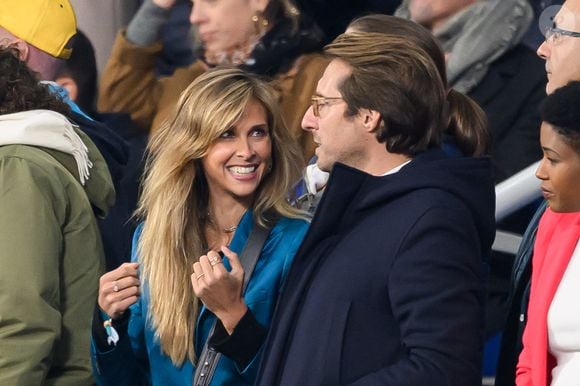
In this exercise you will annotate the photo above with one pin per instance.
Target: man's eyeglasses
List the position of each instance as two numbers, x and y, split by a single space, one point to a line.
317 101
554 34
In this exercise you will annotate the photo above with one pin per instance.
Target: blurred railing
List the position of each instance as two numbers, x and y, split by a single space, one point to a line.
511 195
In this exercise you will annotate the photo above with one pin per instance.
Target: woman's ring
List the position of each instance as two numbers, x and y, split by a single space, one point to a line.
215 262
200 275
115 286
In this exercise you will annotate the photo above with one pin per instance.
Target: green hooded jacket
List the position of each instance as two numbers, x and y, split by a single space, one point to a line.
51 258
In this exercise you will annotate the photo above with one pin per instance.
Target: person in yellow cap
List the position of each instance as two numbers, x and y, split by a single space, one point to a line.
53 183
44 33
48 283
41 30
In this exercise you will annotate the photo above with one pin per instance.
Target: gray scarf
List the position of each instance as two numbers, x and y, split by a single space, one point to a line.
477 36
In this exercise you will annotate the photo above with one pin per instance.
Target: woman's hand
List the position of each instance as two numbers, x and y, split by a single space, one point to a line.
218 289
118 289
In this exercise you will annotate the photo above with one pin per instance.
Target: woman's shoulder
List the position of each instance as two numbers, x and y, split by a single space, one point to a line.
290 228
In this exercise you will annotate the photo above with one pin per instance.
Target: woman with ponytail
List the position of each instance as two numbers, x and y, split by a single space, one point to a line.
468 130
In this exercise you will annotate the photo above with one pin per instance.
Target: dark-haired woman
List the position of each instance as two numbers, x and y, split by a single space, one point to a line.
551 340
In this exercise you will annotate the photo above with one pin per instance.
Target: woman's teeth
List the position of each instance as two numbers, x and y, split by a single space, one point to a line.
242 170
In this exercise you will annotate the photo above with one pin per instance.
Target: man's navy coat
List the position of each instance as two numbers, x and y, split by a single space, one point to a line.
388 285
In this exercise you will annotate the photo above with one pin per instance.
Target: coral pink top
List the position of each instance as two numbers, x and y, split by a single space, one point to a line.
556 241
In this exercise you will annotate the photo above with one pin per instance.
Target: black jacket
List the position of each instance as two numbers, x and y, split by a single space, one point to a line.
113 147
118 227
510 95
387 287
511 344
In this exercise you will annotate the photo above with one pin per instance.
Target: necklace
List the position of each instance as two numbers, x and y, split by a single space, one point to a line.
226 230
231 229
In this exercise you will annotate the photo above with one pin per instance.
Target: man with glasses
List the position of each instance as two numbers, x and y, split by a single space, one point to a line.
561 51
387 286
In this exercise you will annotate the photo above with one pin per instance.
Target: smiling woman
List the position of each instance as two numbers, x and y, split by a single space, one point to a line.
237 161
219 167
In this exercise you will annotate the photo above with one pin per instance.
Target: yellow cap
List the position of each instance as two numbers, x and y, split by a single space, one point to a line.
46 24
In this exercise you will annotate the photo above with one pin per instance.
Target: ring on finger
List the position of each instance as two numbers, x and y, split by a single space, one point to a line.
215 262
200 275
115 286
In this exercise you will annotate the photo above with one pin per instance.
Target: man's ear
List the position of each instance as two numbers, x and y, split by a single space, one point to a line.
70 86
371 120
23 49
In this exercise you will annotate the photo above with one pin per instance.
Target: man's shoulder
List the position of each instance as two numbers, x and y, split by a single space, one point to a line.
33 158
31 168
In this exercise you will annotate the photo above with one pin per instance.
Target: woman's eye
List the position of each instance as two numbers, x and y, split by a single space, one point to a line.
259 132
227 134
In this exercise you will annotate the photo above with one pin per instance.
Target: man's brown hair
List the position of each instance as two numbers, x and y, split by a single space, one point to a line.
397 78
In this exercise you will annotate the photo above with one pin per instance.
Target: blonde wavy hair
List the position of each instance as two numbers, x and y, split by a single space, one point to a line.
175 195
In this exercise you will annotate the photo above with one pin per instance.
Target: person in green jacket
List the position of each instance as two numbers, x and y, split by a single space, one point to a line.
53 183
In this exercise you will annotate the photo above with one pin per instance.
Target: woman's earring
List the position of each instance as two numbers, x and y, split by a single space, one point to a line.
260 23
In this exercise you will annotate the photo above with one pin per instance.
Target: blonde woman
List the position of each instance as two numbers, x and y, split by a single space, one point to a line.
223 163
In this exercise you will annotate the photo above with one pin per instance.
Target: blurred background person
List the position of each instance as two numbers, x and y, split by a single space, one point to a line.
486 60
266 37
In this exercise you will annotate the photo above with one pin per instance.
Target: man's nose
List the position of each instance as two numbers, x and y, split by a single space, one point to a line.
309 121
544 50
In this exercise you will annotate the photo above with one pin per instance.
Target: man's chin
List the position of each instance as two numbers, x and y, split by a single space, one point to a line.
551 87
324 165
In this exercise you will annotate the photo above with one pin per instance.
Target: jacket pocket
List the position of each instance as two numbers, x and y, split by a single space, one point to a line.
371 340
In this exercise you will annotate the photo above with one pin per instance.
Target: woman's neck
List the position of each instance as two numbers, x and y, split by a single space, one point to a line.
224 215
237 54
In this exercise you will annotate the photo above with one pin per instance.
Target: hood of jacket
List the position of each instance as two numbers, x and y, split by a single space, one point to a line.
72 148
468 179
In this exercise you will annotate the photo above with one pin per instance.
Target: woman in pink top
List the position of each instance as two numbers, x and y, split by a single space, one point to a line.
551 353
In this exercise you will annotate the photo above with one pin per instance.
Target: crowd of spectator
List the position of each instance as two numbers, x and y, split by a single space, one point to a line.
283 192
